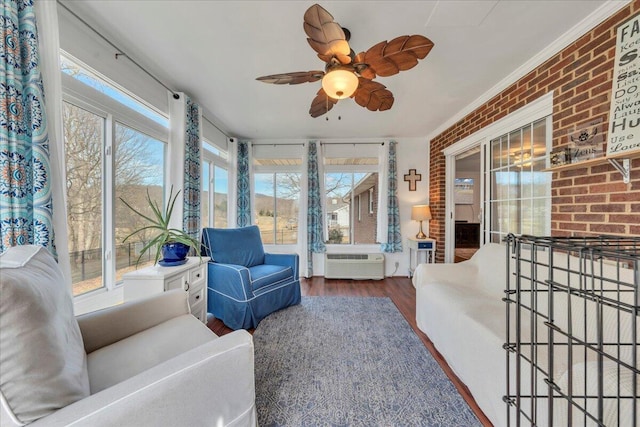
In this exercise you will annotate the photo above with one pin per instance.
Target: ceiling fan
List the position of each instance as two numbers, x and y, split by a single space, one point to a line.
347 74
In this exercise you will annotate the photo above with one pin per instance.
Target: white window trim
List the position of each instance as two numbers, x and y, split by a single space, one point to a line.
529 113
371 200
95 102
223 163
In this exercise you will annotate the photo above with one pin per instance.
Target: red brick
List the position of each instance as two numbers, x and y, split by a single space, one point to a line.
576 226
590 179
635 230
611 187
591 198
594 44
609 208
562 200
607 228
588 218
625 197
575 82
624 219
561 217
573 172
589 66
573 190
573 208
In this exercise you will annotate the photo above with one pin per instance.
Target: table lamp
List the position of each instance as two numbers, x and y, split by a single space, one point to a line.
421 213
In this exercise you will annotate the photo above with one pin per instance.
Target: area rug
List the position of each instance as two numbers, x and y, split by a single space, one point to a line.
350 361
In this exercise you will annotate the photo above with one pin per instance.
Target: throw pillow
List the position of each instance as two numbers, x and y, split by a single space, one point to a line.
43 366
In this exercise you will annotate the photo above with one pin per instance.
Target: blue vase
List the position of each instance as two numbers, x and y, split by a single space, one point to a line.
174 253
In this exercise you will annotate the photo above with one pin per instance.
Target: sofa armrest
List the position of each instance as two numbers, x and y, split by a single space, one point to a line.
233 281
212 384
286 260
104 327
462 273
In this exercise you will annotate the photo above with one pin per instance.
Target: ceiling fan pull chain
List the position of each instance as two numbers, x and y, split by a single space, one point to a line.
326 103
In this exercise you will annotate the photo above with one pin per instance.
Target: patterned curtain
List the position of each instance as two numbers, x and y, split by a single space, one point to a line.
394 238
315 229
191 196
243 185
26 207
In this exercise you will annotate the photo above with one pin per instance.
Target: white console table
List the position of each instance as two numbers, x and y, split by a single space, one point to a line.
418 246
191 276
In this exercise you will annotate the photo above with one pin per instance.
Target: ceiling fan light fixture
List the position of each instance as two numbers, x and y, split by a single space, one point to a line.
340 83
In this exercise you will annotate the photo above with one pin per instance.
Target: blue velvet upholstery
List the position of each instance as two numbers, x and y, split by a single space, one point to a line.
245 284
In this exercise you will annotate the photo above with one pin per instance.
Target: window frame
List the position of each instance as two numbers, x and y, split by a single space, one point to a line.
352 169
214 161
94 101
532 111
274 171
490 233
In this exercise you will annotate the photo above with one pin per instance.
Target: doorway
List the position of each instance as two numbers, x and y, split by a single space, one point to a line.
467 202
464 192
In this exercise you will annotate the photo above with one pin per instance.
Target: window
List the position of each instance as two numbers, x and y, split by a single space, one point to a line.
114 148
371 201
277 205
519 199
343 190
277 182
351 180
215 187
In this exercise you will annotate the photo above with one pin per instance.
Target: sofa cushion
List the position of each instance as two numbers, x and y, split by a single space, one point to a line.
491 260
239 246
43 366
144 350
266 274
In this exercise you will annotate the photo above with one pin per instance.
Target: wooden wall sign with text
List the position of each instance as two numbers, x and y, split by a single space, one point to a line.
624 116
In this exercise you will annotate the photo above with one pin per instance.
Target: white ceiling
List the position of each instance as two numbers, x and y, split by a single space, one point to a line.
214 50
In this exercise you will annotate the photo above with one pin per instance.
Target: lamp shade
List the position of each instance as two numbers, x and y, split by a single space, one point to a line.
420 213
339 83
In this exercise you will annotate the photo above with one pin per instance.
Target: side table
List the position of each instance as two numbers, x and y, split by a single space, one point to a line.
191 276
418 246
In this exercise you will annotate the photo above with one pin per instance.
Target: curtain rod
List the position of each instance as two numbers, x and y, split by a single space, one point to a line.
120 52
273 145
214 125
352 143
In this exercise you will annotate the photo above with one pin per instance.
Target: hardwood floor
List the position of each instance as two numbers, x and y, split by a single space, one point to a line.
401 292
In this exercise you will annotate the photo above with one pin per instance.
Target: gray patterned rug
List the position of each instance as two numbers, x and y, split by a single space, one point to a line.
350 361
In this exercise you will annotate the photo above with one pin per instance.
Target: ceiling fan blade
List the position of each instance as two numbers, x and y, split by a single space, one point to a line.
363 68
321 104
326 36
373 96
400 54
292 78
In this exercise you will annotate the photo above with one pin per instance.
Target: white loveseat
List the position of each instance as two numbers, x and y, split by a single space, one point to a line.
460 308
145 363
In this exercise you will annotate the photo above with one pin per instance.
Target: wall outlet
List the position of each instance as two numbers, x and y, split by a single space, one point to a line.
397 264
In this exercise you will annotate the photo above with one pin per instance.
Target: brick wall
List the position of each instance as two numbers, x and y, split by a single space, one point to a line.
586 200
365 228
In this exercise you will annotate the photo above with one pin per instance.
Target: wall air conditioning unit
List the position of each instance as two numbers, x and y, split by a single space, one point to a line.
354 266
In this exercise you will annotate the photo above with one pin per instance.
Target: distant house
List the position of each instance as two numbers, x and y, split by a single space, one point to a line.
365 211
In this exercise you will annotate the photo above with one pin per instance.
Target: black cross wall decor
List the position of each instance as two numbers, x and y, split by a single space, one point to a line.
412 177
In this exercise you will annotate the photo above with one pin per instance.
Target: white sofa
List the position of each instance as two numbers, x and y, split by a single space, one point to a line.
145 363
460 308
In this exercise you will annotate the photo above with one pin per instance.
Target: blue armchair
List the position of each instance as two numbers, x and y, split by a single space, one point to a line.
245 284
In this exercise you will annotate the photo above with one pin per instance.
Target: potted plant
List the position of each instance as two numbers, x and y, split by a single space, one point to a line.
174 244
